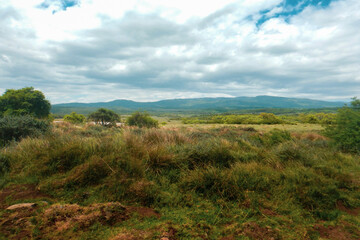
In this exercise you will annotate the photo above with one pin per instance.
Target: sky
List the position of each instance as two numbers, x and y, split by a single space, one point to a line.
149 50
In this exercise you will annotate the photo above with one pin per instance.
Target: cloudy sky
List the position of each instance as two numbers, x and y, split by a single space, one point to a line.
147 50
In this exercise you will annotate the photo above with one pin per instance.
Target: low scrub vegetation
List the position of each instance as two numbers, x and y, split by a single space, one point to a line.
262 118
74 118
204 183
141 120
13 128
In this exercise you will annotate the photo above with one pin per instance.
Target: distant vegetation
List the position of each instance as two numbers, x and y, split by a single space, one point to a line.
104 117
141 120
262 118
74 118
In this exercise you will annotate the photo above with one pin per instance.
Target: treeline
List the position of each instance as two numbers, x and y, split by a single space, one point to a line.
26 113
262 118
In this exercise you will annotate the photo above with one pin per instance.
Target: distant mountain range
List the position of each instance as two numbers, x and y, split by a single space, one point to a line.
203 104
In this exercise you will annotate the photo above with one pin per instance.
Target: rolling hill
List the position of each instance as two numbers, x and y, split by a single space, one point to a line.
203 104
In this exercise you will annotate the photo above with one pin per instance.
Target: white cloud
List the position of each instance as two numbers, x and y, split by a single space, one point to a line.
179 49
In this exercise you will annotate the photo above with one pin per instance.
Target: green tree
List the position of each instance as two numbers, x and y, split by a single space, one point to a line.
104 117
25 101
142 120
345 131
74 118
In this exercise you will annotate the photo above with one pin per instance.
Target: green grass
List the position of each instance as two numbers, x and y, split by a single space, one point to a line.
206 181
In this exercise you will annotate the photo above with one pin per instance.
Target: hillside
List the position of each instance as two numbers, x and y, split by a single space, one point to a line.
217 104
174 183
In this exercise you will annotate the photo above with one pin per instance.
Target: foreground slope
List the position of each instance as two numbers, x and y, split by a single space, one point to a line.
179 183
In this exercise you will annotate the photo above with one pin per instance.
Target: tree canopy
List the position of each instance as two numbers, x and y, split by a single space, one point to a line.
104 117
25 101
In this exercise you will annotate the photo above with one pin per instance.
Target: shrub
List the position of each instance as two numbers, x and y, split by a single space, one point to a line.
142 120
345 132
4 164
270 118
105 117
74 118
17 127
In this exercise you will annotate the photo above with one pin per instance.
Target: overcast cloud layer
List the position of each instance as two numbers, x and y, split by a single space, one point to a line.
101 50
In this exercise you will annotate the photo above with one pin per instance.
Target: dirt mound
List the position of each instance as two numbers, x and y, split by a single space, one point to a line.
354 212
17 224
57 221
62 217
144 212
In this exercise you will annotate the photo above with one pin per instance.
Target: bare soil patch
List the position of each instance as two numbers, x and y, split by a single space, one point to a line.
354 212
335 233
20 192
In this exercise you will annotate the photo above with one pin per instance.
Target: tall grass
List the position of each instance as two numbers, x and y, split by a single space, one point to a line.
301 177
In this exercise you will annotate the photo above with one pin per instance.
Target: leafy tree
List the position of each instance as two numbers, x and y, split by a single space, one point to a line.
104 117
25 101
142 120
345 132
74 118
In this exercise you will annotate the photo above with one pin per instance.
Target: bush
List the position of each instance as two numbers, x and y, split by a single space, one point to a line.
270 118
17 127
345 132
4 164
142 120
74 118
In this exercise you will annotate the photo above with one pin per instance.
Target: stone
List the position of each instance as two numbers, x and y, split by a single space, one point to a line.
21 205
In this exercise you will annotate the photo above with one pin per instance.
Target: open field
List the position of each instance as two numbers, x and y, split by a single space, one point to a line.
298 128
193 181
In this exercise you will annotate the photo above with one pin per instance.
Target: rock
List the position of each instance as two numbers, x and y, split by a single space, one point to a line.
21 205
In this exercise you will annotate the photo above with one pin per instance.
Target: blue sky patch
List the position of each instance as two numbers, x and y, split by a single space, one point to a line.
61 4
291 8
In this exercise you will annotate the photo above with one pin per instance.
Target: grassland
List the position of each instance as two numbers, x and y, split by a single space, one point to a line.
212 181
